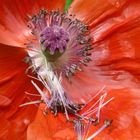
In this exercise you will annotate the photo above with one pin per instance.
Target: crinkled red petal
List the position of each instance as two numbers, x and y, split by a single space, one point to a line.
13 15
14 83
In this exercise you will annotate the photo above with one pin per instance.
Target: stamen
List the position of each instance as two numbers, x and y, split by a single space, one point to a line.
44 98
99 92
106 124
102 98
32 94
91 112
86 131
31 103
32 49
79 129
44 83
30 67
33 77
56 87
90 101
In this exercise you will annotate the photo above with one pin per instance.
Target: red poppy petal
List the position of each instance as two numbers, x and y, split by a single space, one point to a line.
115 55
13 30
127 17
93 11
4 101
122 48
13 84
116 65
52 5
124 111
50 127
107 16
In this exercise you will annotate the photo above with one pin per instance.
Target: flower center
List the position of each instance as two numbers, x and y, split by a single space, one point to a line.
60 46
54 41
63 40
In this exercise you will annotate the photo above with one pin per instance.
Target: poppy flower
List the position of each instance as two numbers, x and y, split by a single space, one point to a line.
69 75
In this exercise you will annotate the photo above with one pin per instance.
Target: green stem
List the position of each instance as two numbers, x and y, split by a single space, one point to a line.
67 5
